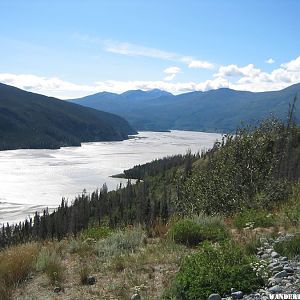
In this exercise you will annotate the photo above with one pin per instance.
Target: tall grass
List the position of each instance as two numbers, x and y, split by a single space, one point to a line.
16 263
49 261
119 243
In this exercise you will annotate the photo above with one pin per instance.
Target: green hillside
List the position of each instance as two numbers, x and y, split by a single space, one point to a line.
29 120
216 110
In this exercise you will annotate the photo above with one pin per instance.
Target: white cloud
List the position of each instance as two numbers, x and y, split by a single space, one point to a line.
234 70
199 64
293 65
253 79
171 73
247 78
130 49
270 61
136 50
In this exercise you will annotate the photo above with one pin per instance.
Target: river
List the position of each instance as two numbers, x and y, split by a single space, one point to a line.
31 180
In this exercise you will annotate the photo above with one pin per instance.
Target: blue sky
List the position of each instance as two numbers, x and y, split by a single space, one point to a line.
74 48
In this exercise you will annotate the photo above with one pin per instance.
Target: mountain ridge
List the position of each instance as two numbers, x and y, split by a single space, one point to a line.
215 110
30 120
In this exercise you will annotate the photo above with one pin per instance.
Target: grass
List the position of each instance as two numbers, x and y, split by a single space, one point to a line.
289 248
16 264
49 261
122 242
253 218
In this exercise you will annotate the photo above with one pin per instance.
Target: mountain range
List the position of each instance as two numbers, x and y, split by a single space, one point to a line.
220 110
29 120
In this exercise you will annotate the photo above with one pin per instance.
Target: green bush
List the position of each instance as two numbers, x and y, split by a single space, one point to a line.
253 218
122 242
186 232
215 269
96 233
191 232
213 227
289 248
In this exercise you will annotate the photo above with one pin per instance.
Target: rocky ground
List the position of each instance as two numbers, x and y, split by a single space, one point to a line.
283 274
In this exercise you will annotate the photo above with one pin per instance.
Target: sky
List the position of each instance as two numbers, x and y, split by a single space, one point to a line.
70 49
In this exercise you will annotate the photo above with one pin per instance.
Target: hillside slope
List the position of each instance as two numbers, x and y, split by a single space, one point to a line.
216 110
29 120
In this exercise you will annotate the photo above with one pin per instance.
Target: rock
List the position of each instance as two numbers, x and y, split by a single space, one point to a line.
275 289
237 295
57 289
265 256
274 254
288 269
281 274
212 297
273 265
284 258
90 280
135 297
277 268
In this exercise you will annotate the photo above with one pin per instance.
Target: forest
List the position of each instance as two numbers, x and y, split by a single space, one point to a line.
255 167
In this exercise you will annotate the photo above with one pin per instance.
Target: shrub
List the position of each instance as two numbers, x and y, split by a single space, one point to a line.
84 272
254 218
191 232
122 242
215 269
82 248
186 232
16 263
291 210
49 262
96 233
289 248
213 227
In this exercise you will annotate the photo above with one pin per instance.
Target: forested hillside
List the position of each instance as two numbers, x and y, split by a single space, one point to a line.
254 168
29 120
220 110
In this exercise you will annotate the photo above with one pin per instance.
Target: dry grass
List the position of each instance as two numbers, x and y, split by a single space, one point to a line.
16 263
149 269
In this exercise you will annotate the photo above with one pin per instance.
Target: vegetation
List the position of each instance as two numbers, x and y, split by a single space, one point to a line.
191 232
29 120
253 218
16 263
290 248
138 236
215 269
186 232
242 173
49 261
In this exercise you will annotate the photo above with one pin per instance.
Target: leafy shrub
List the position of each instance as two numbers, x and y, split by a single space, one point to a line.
254 218
49 262
215 269
289 248
122 242
213 227
186 232
191 232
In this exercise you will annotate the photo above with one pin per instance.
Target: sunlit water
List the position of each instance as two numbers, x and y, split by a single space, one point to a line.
31 180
